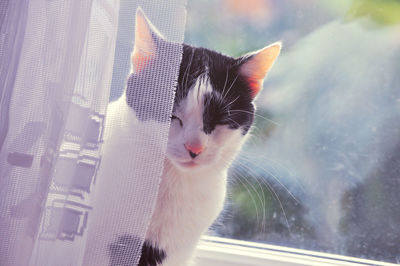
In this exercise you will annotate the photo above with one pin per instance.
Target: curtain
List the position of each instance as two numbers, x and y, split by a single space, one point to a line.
58 61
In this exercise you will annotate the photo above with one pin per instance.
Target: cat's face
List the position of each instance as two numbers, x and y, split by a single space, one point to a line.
203 131
213 109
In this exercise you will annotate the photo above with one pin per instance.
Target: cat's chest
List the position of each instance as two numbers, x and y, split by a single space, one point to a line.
185 207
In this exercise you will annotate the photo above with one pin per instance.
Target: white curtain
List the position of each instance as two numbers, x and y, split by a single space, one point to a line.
56 70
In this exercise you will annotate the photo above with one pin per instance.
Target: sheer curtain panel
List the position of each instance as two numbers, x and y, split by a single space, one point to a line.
58 61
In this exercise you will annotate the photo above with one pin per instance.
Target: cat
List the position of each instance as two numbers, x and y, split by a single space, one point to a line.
212 115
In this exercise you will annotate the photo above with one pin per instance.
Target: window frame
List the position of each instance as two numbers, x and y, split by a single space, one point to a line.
217 251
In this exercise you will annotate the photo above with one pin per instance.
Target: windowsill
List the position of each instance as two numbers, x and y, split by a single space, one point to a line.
216 251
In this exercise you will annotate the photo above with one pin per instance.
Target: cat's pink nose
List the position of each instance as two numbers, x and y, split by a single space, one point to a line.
194 150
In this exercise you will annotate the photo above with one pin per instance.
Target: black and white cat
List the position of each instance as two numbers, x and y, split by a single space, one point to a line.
212 114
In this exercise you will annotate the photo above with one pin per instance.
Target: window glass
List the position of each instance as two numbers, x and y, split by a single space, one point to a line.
322 168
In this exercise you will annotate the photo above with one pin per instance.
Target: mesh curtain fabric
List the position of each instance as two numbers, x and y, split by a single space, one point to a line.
58 61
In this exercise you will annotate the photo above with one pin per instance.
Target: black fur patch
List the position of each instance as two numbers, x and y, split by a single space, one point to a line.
151 255
123 252
230 102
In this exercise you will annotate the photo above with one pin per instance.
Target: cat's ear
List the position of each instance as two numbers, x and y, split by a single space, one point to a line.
255 66
146 40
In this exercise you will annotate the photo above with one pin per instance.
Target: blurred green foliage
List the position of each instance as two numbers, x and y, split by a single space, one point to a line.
383 12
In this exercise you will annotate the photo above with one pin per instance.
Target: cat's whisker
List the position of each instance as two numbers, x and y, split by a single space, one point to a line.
184 75
200 81
234 121
283 211
265 182
248 153
276 178
271 190
233 82
258 115
232 102
280 183
257 133
261 198
189 67
226 80
240 178
250 172
251 196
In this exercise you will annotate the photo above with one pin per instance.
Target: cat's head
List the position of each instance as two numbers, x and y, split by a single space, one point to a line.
214 101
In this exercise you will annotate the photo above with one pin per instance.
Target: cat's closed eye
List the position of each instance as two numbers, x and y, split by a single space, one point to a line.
177 118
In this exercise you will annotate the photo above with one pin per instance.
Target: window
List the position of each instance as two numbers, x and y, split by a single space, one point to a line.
215 251
317 183
321 171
